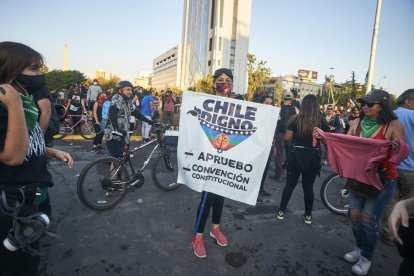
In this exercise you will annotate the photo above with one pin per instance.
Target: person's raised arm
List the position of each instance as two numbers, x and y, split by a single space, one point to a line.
17 137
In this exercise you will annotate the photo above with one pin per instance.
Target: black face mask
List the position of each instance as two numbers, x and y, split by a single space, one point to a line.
31 83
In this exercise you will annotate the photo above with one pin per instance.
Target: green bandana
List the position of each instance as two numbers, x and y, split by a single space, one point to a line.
31 112
369 126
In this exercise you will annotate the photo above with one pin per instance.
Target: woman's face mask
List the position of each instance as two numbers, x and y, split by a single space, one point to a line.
31 83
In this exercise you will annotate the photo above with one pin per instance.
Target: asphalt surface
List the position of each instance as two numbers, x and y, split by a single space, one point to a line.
149 232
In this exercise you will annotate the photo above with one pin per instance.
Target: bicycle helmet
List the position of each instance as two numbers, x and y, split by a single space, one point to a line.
123 84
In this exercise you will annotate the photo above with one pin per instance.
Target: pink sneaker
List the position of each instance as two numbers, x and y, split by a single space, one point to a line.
198 246
218 236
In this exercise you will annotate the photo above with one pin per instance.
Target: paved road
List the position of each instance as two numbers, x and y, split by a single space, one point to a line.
149 233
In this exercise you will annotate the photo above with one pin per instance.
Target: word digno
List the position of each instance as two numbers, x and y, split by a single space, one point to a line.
228 115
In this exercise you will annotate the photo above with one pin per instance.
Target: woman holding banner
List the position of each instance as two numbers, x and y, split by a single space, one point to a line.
223 83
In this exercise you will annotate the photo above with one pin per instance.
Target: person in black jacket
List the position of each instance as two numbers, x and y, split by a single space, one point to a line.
120 112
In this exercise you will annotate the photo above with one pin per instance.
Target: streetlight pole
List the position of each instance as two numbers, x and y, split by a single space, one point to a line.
373 47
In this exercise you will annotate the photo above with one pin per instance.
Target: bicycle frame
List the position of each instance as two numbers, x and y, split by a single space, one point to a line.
126 156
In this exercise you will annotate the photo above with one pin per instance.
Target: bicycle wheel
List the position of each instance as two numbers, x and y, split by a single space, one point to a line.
102 183
334 195
165 171
86 130
64 129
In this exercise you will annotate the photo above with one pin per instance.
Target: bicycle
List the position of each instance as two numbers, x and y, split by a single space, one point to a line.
103 183
84 126
334 194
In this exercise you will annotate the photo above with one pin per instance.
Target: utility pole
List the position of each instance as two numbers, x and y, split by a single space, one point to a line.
353 93
373 47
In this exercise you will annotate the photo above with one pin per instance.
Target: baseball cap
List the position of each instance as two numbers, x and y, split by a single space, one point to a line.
331 106
288 95
376 96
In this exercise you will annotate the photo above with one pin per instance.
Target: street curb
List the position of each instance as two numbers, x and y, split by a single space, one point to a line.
78 137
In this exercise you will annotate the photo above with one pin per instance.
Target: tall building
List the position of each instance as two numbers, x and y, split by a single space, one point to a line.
102 74
215 34
166 69
66 58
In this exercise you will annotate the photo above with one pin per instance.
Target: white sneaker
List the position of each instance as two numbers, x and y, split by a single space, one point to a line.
353 256
362 266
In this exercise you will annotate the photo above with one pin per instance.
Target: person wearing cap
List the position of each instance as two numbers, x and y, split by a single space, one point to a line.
120 111
331 118
222 86
378 121
287 110
405 114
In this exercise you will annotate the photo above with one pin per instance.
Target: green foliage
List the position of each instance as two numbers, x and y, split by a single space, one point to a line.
58 80
258 75
107 84
204 85
278 91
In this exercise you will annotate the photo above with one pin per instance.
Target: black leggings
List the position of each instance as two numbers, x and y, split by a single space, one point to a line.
307 184
213 201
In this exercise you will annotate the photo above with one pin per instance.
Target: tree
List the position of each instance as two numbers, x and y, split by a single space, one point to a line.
258 75
203 85
58 80
278 91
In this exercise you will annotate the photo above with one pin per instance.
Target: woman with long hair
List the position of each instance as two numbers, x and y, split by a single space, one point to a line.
303 158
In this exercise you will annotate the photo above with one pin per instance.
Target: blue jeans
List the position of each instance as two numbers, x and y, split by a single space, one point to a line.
365 228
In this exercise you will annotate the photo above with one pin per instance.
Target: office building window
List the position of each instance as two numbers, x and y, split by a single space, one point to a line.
220 41
213 7
221 12
209 63
210 44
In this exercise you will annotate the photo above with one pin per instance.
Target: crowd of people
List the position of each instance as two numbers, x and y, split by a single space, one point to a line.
297 149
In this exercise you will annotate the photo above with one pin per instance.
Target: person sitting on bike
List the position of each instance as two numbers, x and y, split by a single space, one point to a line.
75 105
120 112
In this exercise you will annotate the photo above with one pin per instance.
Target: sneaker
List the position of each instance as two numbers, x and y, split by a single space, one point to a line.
280 214
362 266
259 200
264 193
94 149
353 256
216 234
198 246
307 219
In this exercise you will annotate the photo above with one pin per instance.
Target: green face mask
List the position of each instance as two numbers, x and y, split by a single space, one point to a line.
31 111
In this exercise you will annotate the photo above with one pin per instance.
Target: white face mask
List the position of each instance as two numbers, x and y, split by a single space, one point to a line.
95 83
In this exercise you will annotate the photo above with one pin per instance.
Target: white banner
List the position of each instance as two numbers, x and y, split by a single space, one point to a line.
224 144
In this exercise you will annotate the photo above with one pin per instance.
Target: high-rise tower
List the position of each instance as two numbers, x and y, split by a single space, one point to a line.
215 34
66 58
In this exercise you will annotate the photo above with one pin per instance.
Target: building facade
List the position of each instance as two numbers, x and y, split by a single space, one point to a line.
215 34
143 79
290 82
166 69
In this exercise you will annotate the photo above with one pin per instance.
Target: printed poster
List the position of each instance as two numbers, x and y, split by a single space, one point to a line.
224 144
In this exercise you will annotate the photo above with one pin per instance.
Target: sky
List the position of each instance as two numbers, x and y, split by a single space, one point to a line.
124 36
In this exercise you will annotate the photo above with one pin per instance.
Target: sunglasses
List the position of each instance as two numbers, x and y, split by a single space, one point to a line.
368 104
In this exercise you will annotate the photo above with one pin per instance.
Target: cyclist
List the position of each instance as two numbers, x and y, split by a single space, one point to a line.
76 104
120 112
